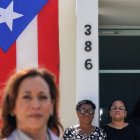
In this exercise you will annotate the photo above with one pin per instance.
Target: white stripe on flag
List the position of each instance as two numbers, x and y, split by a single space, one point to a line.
27 47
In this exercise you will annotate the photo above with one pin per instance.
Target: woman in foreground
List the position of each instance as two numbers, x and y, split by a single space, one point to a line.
30 107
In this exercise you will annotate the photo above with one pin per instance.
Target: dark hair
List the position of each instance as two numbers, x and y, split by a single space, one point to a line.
135 111
110 105
10 96
82 102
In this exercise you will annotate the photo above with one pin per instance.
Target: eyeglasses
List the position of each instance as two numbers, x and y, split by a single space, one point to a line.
117 108
84 111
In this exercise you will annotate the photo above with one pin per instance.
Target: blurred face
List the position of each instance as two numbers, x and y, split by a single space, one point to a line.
118 111
85 114
33 105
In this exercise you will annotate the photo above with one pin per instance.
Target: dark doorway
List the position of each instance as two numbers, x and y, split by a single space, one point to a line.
119 77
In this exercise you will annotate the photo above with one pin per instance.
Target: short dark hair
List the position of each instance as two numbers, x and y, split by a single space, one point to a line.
110 105
82 102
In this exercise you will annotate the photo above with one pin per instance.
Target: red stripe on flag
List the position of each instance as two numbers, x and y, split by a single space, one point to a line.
7 64
48 37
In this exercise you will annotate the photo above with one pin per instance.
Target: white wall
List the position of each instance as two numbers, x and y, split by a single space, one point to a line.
67 38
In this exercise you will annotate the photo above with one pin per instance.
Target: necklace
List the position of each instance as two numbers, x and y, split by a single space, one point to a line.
85 132
118 126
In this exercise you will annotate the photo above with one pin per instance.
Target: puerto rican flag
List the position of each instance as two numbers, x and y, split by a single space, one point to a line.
29 36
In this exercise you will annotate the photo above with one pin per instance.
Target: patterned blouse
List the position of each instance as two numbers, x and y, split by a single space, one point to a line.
71 133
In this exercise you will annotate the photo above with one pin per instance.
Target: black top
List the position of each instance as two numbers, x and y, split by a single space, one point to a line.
126 133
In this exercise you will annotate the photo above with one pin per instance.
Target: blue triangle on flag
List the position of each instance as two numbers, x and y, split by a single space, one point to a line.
15 15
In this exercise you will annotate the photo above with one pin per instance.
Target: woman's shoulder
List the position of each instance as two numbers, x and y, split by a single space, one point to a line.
70 132
12 136
100 132
98 128
106 127
53 136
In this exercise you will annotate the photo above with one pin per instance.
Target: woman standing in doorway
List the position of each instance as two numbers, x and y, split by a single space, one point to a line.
118 129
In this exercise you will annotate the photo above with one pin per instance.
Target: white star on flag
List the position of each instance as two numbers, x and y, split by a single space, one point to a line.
8 15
